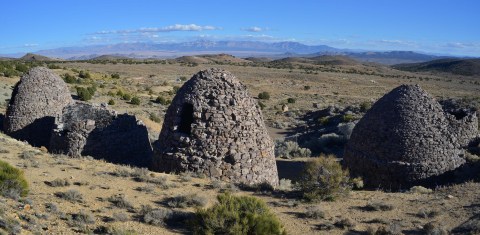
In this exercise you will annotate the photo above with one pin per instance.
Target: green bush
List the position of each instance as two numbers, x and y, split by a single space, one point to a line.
161 100
324 179
291 100
155 118
236 215
264 95
365 106
12 181
86 94
290 149
69 78
306 88
115 76
21 68
126 96
83 74
135 100
111 102
348 118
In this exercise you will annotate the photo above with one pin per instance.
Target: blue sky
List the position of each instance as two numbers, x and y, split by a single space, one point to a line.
435 26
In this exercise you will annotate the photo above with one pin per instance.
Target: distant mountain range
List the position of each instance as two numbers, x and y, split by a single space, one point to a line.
242 49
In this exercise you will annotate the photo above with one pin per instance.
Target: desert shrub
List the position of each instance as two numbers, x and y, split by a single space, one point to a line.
68 78
378 206
157 217
184 201
120 201
314 212
365 106
290 149
324 120
291 100
236 215
81 220
59 182
126 96
174 90
261 105
27 155
21 68
324 179
53 66
264 95
285 185
306 88
111 102
155 118
183 78
121 217
345 223
135 100
348 118
161 100
428 213
84 74
12 181
86 94
115 76
9 225
71 195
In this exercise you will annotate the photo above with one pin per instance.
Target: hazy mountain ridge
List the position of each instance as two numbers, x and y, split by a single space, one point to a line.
468 67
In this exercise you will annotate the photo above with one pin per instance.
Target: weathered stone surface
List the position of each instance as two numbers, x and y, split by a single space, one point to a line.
214 127
36 101
407 139
94 130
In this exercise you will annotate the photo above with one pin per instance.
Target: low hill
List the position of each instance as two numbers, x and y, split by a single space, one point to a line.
392 57
467 67
334 60
110 57
192 59
259 59
35 57
224 58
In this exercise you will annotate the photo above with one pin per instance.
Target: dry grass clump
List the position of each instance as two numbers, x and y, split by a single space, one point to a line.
59 182
314 212
71 195
184 201
12 181
120 201
345 223
378 206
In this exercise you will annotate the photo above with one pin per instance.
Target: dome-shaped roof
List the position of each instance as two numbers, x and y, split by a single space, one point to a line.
214 127
404 139
36 100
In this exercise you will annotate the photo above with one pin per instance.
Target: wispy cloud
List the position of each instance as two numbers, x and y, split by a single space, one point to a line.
166 29
30 45
255 29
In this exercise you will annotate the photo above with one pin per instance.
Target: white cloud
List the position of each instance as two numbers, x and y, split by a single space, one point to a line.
30 45
255 29
170 28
